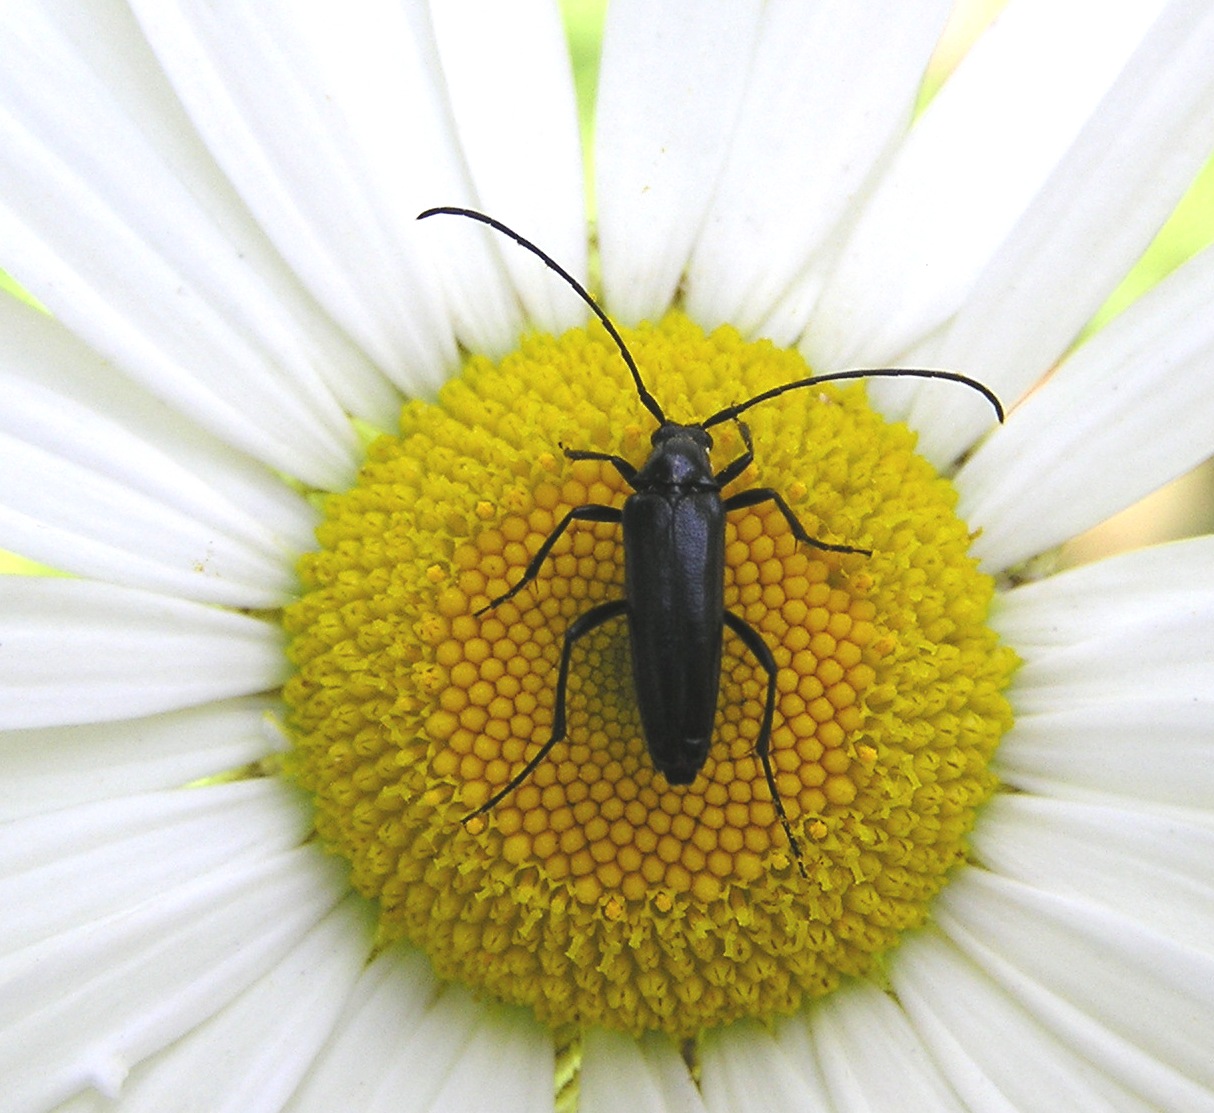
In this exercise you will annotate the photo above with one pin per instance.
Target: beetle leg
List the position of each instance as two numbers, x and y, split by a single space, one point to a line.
578 628
760 651
621 465
734 468
593 512
757 495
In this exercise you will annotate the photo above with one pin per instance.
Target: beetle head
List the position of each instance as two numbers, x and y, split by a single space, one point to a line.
679 458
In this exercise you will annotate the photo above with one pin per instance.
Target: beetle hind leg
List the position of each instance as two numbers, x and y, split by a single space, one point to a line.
578 628
759 649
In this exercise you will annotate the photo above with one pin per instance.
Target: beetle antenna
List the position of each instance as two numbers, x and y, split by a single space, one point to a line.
731 412
647 400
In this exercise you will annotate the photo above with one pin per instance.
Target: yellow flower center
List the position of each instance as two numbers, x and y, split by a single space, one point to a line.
595 892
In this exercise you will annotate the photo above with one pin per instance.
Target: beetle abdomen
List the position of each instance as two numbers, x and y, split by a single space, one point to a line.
674 560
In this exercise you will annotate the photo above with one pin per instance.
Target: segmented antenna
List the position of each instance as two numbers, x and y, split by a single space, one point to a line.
647 400
731 412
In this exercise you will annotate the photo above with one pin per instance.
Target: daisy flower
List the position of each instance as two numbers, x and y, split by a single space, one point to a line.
288 445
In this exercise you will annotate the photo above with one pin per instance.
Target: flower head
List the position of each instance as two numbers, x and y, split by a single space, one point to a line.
276 583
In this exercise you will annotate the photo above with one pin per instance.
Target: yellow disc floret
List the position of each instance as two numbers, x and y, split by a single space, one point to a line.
596 892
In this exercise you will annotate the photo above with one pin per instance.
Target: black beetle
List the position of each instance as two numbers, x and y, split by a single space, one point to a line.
674 568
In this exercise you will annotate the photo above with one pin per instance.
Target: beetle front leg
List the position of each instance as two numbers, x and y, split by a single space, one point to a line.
578 628
760 651
757 495
594 512
626 470
734 468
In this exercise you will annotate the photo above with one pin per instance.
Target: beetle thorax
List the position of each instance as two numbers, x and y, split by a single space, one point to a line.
679 459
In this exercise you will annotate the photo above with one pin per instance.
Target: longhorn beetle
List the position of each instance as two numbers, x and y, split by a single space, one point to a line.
674 567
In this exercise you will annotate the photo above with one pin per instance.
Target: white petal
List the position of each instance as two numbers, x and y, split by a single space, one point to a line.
133 850
118 221
1160 659
509 1066
1132 409
249 1057
831 90
69 516
1149 751
89 1101
60 394
1101 599
1134 626
982 1039
518 128
388 1003
58 767
431 1055
75 651
333 127
1154 870
437 1058
83 1007
621 1074
970 167
872 1059
130 492
1136 1004
671 83
1094 217
749 1067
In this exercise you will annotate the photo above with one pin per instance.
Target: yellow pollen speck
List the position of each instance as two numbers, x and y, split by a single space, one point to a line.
595 887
